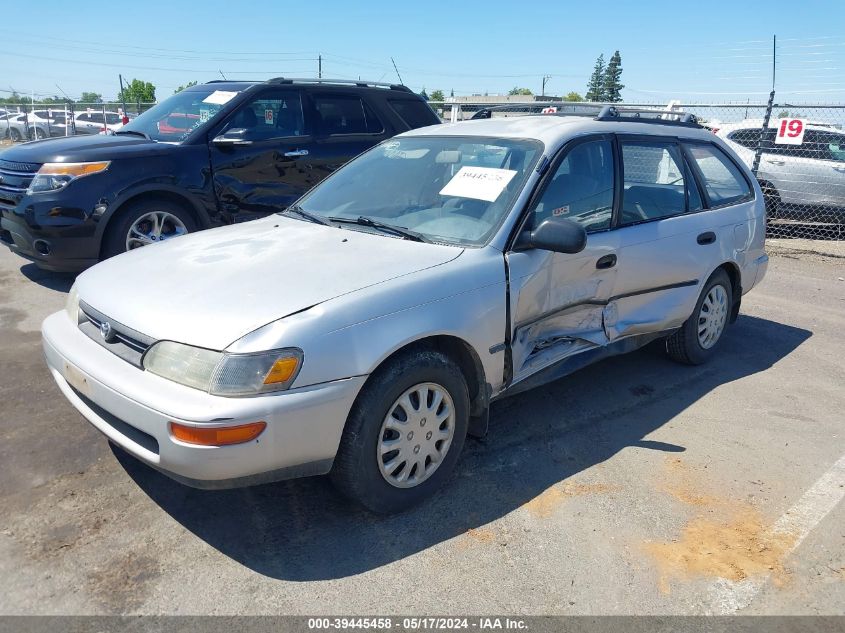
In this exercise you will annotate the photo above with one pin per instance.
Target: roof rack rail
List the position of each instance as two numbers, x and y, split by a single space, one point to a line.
344 82
664 117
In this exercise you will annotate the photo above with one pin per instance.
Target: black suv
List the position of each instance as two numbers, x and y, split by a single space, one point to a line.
214 154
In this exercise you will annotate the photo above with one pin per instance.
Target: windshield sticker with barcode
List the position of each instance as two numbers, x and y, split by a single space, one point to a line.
480 183
220 97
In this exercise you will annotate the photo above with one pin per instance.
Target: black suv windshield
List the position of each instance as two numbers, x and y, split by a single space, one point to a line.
174 118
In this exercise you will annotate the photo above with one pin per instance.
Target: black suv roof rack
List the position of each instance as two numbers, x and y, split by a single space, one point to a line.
652 115
342 82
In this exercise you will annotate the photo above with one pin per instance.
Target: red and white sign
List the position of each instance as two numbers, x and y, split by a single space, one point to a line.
549 110
268 116
789 132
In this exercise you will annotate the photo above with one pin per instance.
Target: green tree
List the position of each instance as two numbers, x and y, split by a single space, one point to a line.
181 88
573 96
612 76
138 90
91 97
520 91
595 87
437 95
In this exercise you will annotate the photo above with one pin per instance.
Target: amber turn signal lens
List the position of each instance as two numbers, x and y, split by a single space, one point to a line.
281 371
73 169
217 436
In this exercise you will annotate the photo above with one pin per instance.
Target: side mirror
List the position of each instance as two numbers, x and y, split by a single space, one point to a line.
557 235
235 136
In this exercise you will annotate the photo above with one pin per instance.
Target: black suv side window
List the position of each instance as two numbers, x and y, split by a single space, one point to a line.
345 114
722 180
413 112
581 188
654 184
269 115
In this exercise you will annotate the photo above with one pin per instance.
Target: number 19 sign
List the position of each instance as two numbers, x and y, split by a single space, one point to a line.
790 132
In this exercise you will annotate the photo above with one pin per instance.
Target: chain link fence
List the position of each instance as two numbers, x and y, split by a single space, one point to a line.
799 155
27 122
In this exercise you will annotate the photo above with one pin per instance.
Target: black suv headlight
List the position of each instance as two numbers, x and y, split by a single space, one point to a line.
55 176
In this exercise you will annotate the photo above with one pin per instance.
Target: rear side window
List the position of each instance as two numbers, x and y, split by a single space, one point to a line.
340 114
723 180
413 112
654 181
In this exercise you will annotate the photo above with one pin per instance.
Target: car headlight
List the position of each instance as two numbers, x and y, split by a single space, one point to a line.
72 304
223 374
55 176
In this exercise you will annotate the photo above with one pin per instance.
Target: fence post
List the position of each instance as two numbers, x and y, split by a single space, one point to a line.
758 151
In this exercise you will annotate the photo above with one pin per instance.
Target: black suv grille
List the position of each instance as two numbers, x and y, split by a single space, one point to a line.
15 178
115 337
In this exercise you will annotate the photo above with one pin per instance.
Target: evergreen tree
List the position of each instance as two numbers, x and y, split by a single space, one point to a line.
595 87
612 74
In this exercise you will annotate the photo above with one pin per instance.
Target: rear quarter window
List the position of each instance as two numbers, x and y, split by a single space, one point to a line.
413 112
722 179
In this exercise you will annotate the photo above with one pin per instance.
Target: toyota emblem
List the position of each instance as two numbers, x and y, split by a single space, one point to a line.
106 331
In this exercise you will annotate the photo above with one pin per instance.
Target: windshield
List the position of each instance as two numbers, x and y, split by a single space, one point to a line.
176 117
448 189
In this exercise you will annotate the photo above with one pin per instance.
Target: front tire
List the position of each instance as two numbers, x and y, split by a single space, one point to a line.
405 432
145 222
15 135
701 334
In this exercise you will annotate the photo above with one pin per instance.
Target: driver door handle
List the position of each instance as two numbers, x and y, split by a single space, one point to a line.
776 162
608 261
297 153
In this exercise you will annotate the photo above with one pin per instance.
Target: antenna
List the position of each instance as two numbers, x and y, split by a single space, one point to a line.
397 72
222 75
774 58
63 92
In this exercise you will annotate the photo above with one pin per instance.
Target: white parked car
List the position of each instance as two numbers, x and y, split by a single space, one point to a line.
96 122
802 178
365 331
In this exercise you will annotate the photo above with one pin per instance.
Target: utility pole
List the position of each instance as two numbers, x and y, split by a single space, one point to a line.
543 89
397 71
319 66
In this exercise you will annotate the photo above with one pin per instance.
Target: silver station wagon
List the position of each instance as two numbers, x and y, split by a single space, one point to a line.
365 331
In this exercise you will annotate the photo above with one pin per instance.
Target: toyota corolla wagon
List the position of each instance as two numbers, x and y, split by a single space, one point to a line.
365 331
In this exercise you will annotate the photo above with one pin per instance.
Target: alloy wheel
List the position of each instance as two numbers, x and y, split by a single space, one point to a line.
416 435
152 227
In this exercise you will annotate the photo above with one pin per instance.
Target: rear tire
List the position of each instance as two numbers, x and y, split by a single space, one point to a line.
772 199
700 335
39 134
15 135
146 221
367 468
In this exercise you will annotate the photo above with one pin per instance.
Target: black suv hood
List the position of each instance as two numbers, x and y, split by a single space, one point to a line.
77 149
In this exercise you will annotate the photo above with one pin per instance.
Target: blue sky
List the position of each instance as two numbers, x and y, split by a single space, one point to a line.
713 51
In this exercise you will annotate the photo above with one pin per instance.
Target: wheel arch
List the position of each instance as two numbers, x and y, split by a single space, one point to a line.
468 361
152 192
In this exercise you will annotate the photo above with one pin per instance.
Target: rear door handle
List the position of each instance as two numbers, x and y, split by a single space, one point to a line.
608 261
706 238
839 169
776 162
295 153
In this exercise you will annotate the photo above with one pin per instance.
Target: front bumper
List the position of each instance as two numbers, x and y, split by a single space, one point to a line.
57 231
133 408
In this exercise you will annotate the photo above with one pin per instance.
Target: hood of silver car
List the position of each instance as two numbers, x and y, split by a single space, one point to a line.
211 288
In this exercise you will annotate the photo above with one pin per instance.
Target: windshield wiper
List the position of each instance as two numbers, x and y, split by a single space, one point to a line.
396 230
136 132
311 217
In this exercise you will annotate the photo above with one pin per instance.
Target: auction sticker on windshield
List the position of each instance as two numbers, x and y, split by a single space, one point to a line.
220 97
480 183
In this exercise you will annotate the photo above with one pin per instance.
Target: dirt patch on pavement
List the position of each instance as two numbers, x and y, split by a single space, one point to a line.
735 548
726 539
543 505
